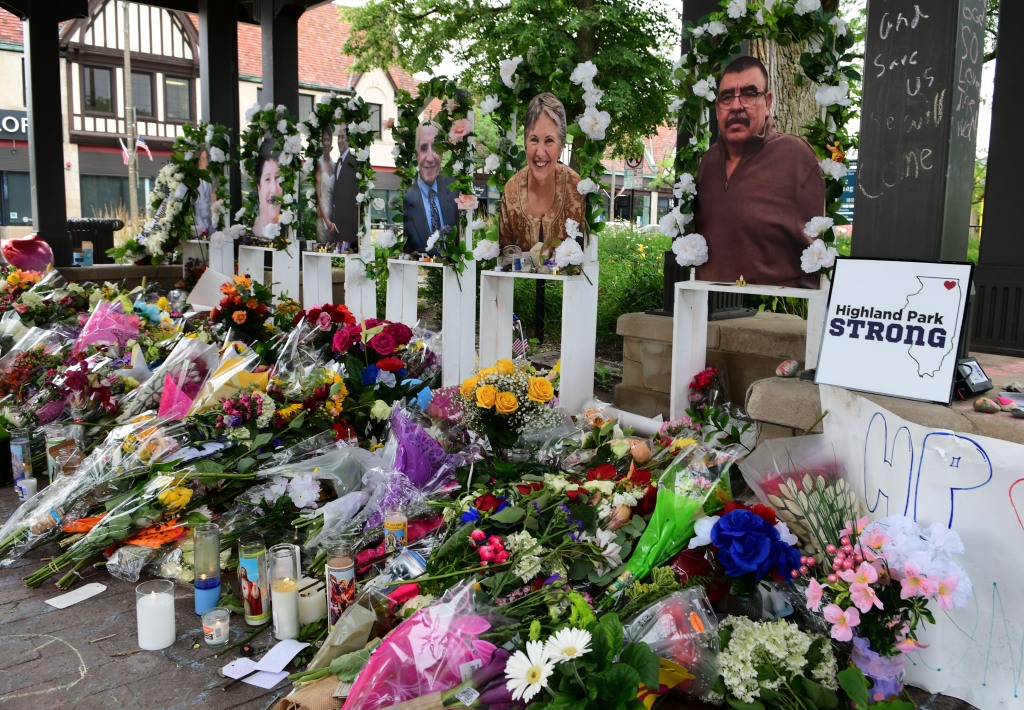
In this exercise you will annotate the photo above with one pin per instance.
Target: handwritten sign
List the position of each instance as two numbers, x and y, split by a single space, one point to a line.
893 327
922 80
971 484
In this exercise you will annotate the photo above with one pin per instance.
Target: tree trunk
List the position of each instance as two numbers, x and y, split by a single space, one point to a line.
794 106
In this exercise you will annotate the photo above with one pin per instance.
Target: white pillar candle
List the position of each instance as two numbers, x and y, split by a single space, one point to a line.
312 601
154 612
284 603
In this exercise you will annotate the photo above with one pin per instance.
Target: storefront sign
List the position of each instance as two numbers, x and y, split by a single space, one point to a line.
893 327
14 125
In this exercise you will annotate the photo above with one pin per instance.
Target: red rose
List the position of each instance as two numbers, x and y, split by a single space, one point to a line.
766 513
641 477
343 431
344 339
604 472
383 343
528 488
391 364
487 503
341 314
399 332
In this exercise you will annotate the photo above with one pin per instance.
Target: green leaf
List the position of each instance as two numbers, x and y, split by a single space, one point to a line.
508 515
641 658
297 421
818 694
855 683
207 466
612 625
580 568
262 440
618 685
246 464
740 705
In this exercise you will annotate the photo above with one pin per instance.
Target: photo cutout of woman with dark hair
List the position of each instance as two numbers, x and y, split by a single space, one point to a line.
323 173
542 196
268 189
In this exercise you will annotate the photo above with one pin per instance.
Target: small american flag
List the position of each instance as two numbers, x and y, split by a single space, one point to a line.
124 151
141 143
518 337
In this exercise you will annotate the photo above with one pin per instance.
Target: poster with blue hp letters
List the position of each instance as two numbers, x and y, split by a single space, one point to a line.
893 327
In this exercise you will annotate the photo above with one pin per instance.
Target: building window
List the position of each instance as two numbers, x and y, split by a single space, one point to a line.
142 94
305 106
177 99
375 120
15 199
107 196
98 89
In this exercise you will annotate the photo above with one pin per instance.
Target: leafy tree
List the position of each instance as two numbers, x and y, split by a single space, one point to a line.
626 41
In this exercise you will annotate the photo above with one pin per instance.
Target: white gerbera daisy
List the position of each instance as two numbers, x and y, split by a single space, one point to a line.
567 644
527 673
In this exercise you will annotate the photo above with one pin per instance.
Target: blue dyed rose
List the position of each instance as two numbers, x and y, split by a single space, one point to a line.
745 543
370 373
787 559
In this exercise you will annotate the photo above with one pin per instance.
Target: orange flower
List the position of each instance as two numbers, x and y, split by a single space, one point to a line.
838 154
252 304
228 289
239 317
243 280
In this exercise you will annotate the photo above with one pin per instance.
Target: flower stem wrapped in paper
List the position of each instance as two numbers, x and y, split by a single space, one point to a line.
426 653
234 372
111 323
695 484
187 367
802 480
129 449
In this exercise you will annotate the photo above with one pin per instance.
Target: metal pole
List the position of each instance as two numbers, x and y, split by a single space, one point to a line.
129 119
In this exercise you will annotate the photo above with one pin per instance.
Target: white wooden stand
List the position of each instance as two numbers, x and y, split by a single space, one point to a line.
690 329
579 325
458 310
197 249
251 261
317 282
222 255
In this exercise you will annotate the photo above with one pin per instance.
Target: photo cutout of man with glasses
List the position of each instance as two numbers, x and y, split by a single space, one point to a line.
756 188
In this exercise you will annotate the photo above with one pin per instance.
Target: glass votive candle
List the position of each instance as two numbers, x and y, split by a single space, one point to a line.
154 614
216 626
206 538
284 591
396 526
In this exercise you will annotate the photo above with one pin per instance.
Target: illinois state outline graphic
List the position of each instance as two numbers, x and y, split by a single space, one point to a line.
941 297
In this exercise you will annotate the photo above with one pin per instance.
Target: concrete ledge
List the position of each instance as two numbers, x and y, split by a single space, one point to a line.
641 401
784 407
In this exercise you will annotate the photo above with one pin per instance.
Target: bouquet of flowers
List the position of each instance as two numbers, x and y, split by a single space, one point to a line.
327 319
506 400
246 306
880 581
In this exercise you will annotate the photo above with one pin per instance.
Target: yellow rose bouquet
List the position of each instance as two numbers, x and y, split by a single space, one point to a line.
506 400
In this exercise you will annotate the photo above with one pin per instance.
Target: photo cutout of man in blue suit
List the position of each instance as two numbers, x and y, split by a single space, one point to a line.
429 205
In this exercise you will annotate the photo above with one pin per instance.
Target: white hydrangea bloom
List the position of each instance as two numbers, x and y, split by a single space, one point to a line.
507 69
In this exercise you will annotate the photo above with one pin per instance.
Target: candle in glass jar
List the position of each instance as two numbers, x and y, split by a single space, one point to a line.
216 626
340 572
395 529
154 612
312 601
284 591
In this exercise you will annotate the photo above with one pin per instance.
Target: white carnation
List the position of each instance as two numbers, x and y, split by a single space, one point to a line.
817 226
836 171
572 228
272 230
691 250
387 239
817 256
568 253
685 185
583 75
489 104
592 97
287 217
485 250
587 186
594 123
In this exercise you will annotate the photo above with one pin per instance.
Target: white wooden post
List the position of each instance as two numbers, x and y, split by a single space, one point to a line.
690 329
458 319
196 249
222 254
285 269
251 261
403 290
317 284
361 292
579 324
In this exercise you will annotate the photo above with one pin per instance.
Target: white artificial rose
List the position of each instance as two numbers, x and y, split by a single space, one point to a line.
716 28
594 123
217 155
587 186
486 250
363 154
492 163
568 253
288 199
250 112
690 250
592 97
387 239
378 203
685 185
836 171
282 125
675 105
817 256
817 226
489 104
583 75
272 230
293 144
736 9
507 69
572 228
833 95
805 7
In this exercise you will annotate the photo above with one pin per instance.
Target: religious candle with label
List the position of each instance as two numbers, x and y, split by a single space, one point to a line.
21 455
206 538
396 526
216 626
253 579
154 614
284 591
340 572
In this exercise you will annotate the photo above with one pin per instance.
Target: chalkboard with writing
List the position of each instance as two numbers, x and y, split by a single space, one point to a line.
919 121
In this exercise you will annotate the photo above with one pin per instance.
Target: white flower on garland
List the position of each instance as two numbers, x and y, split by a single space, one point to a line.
675 105
378 203
362 155
396 151
567 644
817 256
759 17
690 250
836 171
337 113
492 163
705 88
736 9
568 253
432 240
583 75
250 112
287 217
833 95
816 226
587 186
685 185
489 104
594 123
674 222
307 166
486 250
272 230
592 96
806 7
527 673
217 155
386 239
477 224
717 28
507 69
188 155
239 215
364 127
572 229
839 25
287 199
698 31
282 125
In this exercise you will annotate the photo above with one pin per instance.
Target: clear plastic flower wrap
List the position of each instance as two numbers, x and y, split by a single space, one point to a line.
128 561
129 448
11 329
696 483
426 653
682 629
300 356
801 479
187 367
423 357
233 372
343 466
